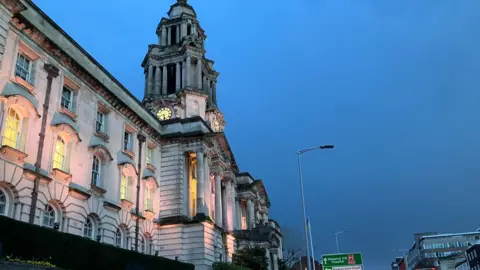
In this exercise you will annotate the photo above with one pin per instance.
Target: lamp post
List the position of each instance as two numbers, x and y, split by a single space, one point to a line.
336 239
299 153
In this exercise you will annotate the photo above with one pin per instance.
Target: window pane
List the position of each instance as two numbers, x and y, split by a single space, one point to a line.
22 68
88 228
67 98
3 203
123 187
100 124
49 216
59 156
12 129
95 171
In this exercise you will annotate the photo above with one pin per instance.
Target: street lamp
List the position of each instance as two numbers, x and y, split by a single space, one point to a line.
336 239
309 263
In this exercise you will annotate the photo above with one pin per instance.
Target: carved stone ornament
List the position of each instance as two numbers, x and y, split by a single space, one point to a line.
15 6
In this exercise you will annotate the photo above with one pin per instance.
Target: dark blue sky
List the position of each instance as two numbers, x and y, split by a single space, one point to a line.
393 84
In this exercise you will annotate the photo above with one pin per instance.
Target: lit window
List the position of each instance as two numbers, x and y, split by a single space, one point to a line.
192 171
67 99
3 203
149 155
88 228
96 171
48 216
126 187
59 155
148 198
127 141
23 68
118 238
100 123
12 129
244 219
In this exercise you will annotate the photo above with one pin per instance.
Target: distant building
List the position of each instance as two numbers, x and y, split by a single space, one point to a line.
431 249
396 264
473 257
302 265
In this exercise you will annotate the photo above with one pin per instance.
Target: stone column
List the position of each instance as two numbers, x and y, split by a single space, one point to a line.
230 204
214 92
207 188
164 36
224 206
200 183
269 260
164 84
218 201
194 29
238 214
209 91
178 33
184 67
188 71
199 73
150 80
184 29
158 80
169 36
234 207
251 217
275 261
265 218
177 73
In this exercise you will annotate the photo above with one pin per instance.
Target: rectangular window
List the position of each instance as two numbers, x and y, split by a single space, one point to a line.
148 199
100 123
127 141
11 136
23 68
149 155
59 155
67 99
123 187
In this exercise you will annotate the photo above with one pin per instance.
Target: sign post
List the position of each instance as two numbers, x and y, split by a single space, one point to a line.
348 261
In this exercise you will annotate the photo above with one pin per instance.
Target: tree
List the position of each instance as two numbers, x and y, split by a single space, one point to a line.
289 259
251 257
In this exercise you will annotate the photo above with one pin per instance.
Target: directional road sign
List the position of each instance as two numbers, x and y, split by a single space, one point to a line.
352 261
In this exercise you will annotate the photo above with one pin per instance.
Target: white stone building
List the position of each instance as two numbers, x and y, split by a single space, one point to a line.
81 154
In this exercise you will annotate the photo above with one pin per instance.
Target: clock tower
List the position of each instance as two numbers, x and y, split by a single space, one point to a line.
180 82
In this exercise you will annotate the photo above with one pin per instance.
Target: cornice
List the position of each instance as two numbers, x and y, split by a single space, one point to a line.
15 6
30 31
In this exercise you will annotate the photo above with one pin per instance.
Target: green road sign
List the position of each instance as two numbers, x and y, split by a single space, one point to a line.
347 261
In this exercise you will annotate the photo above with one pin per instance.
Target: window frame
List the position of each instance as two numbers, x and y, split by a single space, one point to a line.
52 215
89 222
96 172
149 155
71 100
7 127
28 77
62 155
100 121
3 203
127 141
119 238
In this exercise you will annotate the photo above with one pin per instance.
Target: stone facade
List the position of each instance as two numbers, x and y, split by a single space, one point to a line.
82 155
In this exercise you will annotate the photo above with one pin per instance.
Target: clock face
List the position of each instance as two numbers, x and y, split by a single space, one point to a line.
216 125
164 113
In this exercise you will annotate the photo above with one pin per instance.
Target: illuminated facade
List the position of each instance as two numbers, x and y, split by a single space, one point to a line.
83 151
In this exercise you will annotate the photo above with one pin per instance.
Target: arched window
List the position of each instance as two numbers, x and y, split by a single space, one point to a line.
48 216
3 203
96 171
141 243
118 238
59 155
88 228
11 137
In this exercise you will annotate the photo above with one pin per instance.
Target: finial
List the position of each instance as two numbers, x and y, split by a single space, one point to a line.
182 1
